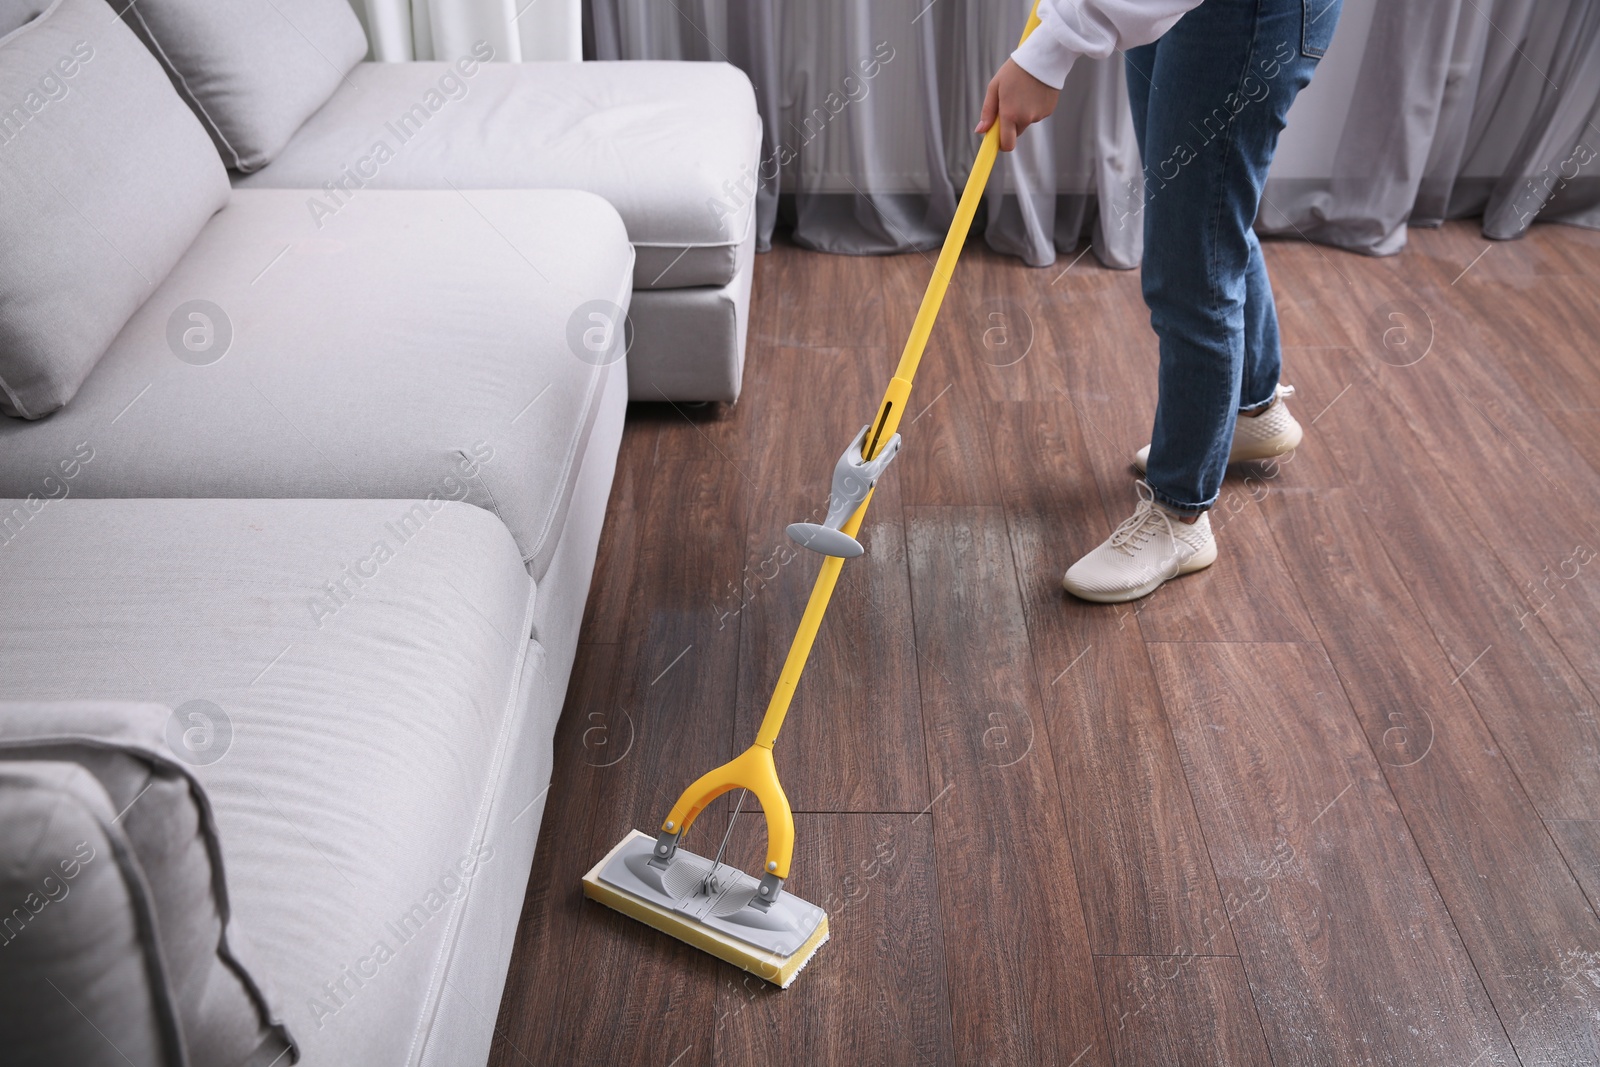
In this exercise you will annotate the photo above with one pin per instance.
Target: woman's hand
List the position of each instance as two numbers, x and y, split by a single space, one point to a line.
1018 100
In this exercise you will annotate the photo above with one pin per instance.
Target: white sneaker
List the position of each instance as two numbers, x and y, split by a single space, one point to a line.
1263 436
1150 547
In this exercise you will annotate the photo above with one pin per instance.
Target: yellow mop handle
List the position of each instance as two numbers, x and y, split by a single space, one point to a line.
888 419
754 769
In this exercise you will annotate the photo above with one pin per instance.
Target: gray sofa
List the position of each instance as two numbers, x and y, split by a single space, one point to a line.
299 507
616 129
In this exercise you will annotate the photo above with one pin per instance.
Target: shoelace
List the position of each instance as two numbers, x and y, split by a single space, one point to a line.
1137 528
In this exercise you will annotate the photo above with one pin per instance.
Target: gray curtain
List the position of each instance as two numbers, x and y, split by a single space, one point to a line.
869 109
1445 109
1420 112
1534 128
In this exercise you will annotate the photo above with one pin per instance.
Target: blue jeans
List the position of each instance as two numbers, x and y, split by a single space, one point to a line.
1209 99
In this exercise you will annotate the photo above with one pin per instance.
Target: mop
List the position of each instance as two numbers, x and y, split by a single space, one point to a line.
751 923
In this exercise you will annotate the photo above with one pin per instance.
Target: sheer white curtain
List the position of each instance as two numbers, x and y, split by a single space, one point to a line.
517 30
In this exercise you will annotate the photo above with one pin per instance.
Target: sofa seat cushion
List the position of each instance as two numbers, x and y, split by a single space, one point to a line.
674 146
420 344
350 711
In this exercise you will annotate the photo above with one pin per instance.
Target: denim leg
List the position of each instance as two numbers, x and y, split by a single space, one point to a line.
1220 87
1263 357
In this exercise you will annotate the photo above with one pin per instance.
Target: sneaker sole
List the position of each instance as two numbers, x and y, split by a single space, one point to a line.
1271 448
1197 562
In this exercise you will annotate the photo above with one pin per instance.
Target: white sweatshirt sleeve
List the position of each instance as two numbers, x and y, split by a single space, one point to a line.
1072 28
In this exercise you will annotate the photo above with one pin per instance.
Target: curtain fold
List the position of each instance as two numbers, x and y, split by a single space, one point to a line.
403 30
1552 173
1384 131
1457 109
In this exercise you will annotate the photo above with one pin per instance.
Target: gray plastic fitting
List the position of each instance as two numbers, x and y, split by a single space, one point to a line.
853 479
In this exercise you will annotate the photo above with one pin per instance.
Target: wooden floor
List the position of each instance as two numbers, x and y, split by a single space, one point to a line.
1334 801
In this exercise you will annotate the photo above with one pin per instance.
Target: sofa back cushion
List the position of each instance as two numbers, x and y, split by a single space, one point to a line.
16 13
105 179
252 70
168 939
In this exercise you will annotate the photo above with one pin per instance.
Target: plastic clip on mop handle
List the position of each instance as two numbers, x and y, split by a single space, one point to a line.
753 769
853 478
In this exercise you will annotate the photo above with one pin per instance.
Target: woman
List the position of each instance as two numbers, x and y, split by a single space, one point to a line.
1210 84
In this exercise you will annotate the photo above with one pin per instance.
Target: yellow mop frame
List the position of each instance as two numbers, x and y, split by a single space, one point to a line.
753 769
